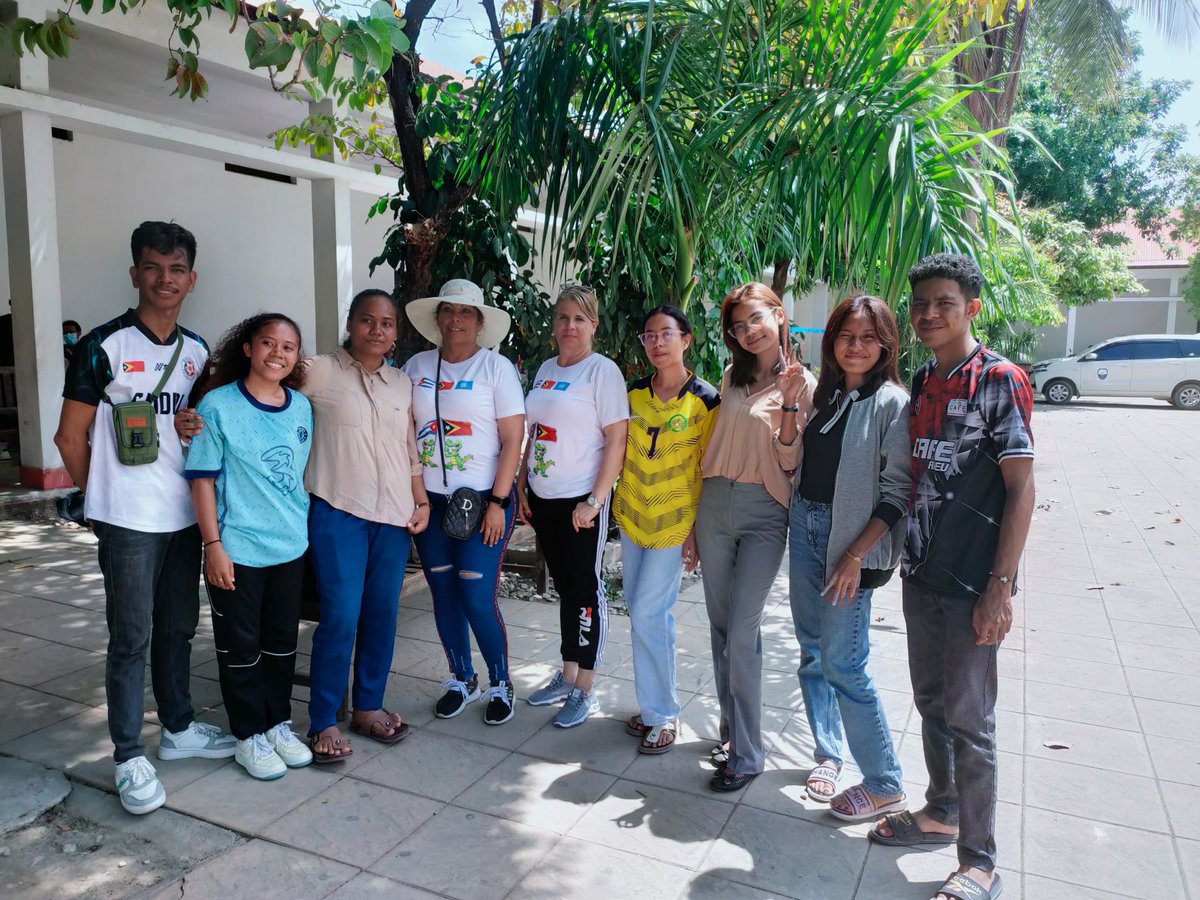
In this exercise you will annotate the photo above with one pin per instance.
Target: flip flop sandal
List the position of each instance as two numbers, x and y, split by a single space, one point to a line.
906 833
324 759
862 805
635 726
964 887
650 745
825 772
719 757
367 728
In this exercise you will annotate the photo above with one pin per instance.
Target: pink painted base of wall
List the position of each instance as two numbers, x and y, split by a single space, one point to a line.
45 479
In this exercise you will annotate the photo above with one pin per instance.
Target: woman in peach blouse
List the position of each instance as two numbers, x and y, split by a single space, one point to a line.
741 527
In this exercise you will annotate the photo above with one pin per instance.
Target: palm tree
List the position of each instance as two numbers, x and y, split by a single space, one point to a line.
734 132
1090 39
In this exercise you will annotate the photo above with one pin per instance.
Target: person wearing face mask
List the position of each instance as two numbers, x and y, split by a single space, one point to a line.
71 335
742 523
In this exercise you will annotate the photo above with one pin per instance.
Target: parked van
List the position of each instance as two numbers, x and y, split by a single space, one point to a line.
1163 366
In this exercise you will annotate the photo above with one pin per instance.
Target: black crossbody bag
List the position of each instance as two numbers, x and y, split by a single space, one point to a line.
465 506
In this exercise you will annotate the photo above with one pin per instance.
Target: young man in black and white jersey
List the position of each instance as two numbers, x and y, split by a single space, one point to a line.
149 545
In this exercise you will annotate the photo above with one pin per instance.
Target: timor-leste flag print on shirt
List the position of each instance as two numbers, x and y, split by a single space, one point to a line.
660 484
473 394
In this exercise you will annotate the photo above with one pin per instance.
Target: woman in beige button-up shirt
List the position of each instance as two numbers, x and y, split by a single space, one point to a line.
368 498
742 521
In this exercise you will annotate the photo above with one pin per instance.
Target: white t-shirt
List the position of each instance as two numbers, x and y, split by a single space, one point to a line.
568 408
125 360
474 394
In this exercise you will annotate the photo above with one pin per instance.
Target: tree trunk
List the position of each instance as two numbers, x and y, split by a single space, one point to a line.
996 61
780 276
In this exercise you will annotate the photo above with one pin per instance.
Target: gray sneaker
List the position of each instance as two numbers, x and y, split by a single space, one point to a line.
577 709
555 692
199 740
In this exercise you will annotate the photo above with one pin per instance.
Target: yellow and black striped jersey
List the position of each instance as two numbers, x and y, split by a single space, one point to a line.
659 488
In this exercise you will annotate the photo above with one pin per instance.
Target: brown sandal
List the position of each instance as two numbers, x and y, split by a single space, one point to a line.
635 726
341 749
381 719
650 743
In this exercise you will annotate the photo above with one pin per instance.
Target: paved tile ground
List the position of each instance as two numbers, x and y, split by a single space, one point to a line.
1099 729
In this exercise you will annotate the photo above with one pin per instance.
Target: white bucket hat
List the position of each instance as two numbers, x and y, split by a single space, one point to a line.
423 313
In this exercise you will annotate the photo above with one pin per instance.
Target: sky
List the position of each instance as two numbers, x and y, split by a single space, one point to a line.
462 36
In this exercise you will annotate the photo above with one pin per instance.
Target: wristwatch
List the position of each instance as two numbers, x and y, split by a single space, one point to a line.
501 502
592 501
1003 579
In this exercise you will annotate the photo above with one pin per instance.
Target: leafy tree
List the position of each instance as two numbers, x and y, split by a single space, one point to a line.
678 138
1191 286
1112 158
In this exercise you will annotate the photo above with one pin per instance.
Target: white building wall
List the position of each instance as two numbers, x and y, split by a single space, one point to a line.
254 236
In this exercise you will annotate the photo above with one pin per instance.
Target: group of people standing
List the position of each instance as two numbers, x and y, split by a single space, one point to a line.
334 463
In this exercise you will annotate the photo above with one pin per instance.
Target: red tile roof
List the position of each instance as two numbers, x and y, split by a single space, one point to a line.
1144 252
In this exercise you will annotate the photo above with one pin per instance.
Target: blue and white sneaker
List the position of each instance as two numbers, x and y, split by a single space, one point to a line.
555 692
138 786
199 740
577 709
259 758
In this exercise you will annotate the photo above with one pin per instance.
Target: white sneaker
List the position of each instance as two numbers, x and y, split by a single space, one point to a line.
199 740
289 747
138 786
259 758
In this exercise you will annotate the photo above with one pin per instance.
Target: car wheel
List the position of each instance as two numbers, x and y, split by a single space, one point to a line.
1058 391
1187 395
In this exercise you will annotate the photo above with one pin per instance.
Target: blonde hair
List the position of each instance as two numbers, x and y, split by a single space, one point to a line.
583 296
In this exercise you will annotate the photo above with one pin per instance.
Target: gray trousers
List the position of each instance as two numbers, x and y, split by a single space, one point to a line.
954 688
741 532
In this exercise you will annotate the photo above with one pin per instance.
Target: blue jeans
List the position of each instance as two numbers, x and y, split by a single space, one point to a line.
651 583
463 577
834 643
152 601
360 570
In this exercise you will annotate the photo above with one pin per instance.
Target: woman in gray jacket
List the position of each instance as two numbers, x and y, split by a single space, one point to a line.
849 501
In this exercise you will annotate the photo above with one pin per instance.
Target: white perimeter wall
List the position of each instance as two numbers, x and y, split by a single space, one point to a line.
254 236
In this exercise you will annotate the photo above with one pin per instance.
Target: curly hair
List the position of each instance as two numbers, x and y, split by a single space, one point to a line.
954 266
229 362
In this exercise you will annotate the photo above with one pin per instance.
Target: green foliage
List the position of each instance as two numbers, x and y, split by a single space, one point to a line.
1191 286
695 140
1113 156
302 52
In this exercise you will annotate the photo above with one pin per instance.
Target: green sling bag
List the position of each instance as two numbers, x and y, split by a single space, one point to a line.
135 422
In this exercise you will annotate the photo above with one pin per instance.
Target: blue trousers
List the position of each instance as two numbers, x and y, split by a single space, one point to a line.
360 569
839 695
463 577
652 579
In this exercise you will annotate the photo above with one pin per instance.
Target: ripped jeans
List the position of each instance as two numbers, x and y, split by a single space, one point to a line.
463 577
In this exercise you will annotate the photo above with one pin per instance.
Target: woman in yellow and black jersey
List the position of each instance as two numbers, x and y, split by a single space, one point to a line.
672 414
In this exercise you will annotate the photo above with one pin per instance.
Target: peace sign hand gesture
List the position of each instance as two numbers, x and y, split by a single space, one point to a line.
791 380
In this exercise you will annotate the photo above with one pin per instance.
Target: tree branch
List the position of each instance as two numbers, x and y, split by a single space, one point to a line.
489 6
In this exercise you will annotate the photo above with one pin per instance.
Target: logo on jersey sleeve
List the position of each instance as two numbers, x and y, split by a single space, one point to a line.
189 367
133 365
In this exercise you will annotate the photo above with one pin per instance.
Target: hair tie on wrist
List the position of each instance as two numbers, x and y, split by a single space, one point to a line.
208 543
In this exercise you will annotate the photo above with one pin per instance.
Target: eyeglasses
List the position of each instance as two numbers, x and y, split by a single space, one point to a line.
755 321
650 338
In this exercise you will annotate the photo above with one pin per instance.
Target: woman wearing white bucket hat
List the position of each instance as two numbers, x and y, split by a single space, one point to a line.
470 419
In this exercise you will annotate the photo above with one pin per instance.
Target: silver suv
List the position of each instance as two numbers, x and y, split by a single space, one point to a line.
1163 366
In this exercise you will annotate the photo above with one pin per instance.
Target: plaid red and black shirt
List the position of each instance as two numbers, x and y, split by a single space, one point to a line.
962 427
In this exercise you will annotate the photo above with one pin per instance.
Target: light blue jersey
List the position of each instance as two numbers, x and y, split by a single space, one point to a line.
257 454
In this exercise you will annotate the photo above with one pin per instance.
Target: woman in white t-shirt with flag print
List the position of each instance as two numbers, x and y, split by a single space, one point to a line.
578 413
470 421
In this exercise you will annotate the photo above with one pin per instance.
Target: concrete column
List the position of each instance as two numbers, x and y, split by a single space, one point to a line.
333 252
1072 314
33 274
1172 310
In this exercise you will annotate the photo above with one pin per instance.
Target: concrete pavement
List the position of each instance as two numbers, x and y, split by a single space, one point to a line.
1099 730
